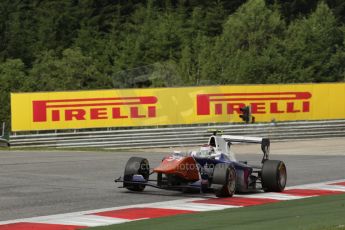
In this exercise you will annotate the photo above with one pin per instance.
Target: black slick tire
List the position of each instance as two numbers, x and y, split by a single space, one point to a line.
273 176
136 166
224 175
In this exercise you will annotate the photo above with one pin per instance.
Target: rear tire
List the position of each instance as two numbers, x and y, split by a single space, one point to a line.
225 176
136 166
273 176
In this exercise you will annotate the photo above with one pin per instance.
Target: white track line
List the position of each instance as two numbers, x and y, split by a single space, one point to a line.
189 206
82 220
90 212
315 185
328 187
272 195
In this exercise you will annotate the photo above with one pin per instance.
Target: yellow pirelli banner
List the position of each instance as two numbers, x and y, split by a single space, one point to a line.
170 106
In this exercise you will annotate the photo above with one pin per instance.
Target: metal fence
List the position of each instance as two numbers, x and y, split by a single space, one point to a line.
177 136
3 141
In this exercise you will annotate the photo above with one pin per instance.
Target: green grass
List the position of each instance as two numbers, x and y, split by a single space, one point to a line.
318 213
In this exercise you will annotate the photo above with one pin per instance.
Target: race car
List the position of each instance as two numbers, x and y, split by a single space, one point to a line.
212 168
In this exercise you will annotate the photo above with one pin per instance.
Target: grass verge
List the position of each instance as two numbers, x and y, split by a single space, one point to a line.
317 213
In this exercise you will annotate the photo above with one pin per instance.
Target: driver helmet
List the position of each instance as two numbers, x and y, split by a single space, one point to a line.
206 150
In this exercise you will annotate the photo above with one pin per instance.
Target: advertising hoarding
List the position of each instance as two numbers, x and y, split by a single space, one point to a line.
172 106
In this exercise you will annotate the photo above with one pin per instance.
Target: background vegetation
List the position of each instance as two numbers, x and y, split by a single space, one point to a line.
91 44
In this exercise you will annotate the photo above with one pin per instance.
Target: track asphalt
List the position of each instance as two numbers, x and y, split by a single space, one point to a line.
38 183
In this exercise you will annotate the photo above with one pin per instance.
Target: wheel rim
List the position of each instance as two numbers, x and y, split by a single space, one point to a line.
231 180
282 175
144 169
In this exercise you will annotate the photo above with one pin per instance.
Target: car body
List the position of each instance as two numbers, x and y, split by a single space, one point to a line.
219 172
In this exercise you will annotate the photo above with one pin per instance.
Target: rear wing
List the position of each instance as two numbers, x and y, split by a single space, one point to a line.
265 142
244 139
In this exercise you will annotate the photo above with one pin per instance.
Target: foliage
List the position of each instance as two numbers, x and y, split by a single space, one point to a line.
72 71
12 76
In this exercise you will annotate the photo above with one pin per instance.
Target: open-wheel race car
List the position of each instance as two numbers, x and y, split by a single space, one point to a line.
213 168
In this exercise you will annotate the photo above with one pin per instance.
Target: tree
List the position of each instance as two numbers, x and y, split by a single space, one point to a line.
338 7
12 75
311 44
247 51
57 24
19 33
293 9
72 71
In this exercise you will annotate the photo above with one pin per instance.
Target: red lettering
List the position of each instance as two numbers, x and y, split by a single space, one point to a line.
258 108
42 108
151 110
306 106
78 114
135 113
203 104
274 108
204 101
290 108
55 115
235 108
98 113
218 109
39 109
117 113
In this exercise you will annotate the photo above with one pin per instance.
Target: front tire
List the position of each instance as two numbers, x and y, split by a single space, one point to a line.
224 176
273 176
136 166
